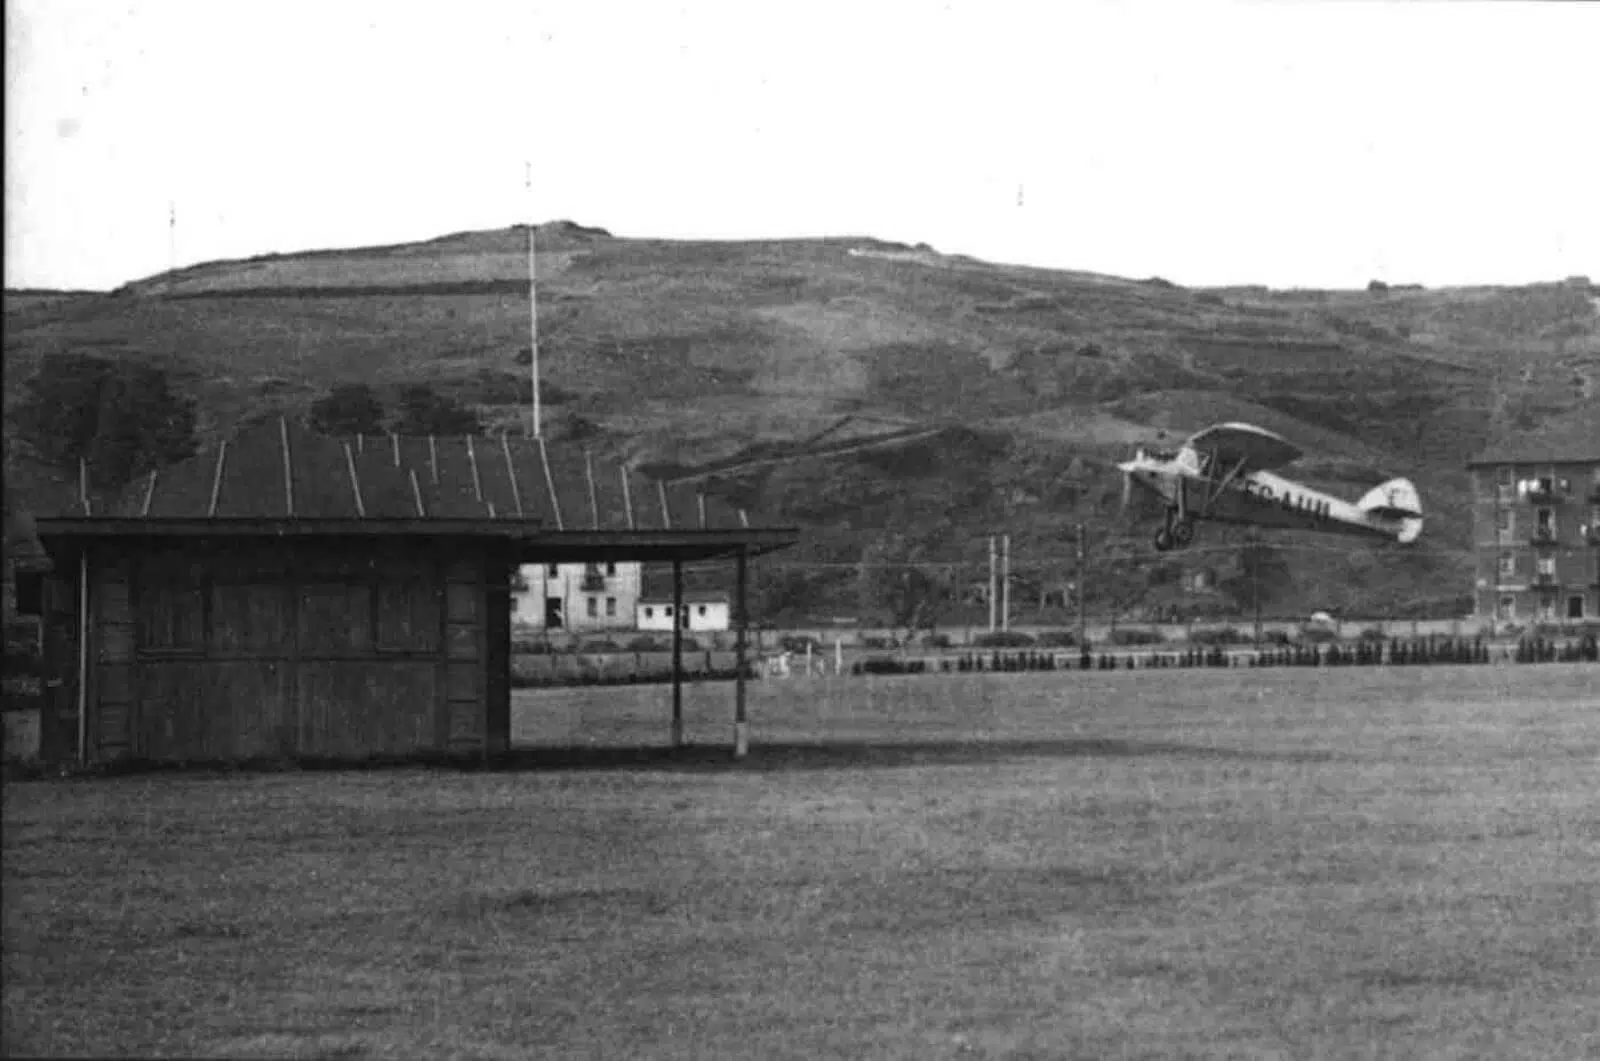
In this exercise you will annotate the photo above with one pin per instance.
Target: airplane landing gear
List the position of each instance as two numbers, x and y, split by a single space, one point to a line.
1175 534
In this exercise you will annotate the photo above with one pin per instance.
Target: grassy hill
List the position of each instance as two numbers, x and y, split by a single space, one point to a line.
1019 387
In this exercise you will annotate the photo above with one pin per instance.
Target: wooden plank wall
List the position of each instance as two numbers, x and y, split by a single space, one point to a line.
243 653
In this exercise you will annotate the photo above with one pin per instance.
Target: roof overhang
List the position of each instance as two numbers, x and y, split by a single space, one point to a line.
532 539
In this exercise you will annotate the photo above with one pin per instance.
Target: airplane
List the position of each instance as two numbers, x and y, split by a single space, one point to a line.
1225 474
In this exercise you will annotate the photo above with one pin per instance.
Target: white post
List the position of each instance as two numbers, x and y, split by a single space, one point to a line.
992 601
808 658
838 656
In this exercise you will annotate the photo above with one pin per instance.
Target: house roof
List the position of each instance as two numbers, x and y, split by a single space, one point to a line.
282 478
1571 438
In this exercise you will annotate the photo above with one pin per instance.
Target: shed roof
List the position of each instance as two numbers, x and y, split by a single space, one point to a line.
282 478
1572 438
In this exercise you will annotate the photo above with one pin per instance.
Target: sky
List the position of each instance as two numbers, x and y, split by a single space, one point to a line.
1297 143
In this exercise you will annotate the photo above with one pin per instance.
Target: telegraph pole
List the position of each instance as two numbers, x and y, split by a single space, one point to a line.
1005 582
1083 606
991 584
533 303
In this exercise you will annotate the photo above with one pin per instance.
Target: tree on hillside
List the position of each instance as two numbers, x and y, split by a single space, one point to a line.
348 409
1263 577
122 417
423 411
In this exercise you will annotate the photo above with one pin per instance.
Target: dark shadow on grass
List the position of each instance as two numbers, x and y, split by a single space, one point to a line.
718 758
827 755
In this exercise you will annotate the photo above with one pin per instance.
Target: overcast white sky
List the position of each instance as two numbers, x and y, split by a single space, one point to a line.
1312 143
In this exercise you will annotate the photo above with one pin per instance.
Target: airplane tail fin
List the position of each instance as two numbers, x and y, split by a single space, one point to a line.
1395 500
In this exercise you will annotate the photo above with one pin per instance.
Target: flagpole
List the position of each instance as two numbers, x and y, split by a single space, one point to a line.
533 303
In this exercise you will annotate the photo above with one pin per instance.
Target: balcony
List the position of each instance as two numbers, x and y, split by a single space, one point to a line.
1542 493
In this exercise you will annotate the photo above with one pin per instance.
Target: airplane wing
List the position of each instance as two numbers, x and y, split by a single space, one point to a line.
1258 448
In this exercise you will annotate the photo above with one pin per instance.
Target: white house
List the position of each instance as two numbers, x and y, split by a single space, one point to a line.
701 611
600 596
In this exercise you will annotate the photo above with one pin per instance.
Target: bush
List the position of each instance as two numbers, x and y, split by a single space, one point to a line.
530 646
601 646
1374 634
798 643
1003 639
934 640
647 643
879 643
1124 635
1226 635
1318 635
1058 639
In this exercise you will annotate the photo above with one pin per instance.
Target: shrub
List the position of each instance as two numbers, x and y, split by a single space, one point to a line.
1318 635
1374 633
935 640
601 646
529 646
1003 639
1058 639
1226 635
1125 635
798 643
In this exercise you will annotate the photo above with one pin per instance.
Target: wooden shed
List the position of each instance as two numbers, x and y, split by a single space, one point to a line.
294 596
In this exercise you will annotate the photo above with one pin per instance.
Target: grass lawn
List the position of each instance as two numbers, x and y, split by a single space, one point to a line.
1372 862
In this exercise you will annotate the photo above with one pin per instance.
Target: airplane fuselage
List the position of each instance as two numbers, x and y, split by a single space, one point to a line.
1264 499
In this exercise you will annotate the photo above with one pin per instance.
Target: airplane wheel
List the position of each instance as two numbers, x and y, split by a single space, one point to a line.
1183 534
1163 540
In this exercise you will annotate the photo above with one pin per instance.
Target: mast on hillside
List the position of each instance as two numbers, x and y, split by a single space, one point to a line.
533 303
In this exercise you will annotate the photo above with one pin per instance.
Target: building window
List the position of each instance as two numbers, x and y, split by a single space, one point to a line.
1547 565
554 570
1508 565
611 607
649 612
1508 474
592 606
668 611
1546 522
611 569
1508 608
702 610
1575 607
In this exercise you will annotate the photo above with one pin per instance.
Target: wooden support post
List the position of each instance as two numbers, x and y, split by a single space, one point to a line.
677 653
741 727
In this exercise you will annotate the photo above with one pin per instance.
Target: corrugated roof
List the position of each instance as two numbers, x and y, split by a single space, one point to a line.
281 471
1571 438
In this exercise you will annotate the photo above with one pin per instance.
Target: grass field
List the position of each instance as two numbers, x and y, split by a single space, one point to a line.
1375 862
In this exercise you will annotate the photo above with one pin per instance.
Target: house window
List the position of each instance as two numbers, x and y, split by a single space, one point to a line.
611 569
702 610
1508 565
1547 523
611 607
592 605
1508 474
1575 607
554 570
668 611
1508 608
1547 565
649 612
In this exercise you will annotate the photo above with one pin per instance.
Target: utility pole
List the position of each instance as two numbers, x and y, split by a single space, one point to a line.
1255 584
991 584
533 303
1005 582
1083 606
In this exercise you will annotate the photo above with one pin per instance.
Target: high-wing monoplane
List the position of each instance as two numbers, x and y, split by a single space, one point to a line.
1225 474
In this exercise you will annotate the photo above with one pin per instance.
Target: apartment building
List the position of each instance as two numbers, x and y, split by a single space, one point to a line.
599 596
1536 525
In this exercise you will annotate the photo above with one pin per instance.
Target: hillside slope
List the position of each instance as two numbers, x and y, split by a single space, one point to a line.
1017 387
